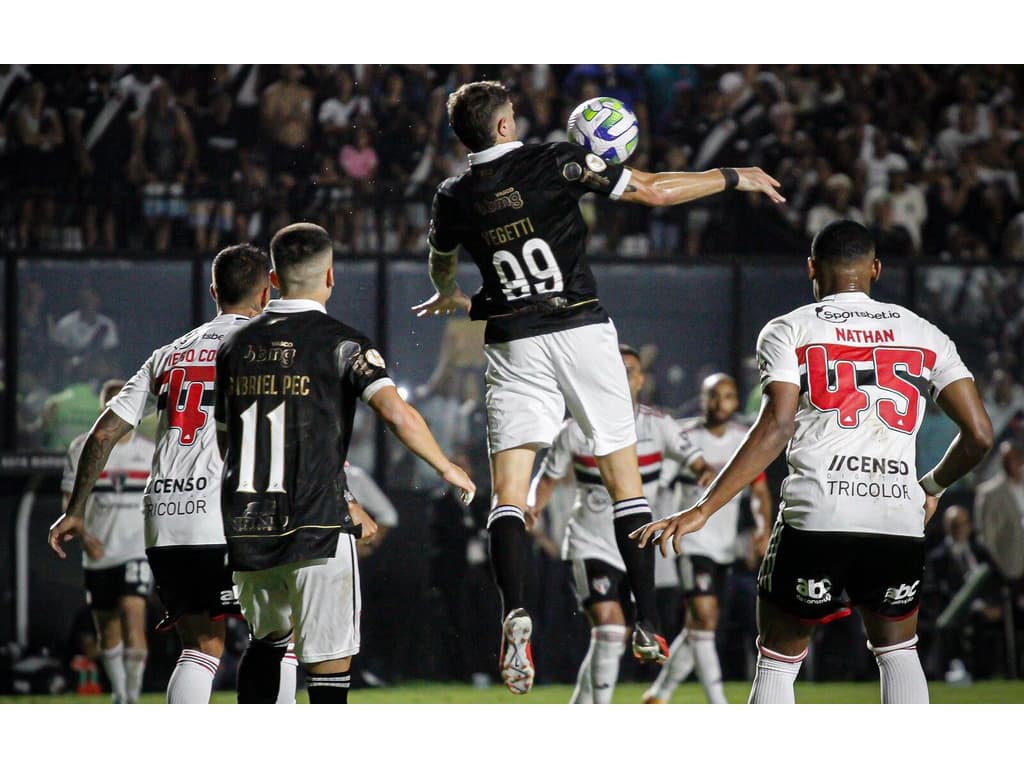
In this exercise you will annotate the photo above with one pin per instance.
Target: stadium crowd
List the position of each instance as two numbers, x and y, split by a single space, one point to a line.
192 156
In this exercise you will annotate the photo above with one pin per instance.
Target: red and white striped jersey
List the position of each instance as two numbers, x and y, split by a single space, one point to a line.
590 533
113 513
864 369
182 500
717 539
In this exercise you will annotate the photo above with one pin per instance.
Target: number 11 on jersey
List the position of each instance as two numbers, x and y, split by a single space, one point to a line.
247 464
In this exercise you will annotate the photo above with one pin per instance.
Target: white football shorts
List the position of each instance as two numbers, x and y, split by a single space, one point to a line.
531 381
318 599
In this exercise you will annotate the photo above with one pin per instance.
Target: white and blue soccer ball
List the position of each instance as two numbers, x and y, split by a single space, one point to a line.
606 127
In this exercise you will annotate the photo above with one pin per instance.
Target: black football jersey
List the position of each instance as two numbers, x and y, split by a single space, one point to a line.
287 386
516 211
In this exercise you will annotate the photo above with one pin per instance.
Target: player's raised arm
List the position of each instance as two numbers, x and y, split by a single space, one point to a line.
674 188
108 429
766 439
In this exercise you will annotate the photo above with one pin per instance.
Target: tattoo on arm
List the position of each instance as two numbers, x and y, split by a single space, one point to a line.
443 269
94 457
631 187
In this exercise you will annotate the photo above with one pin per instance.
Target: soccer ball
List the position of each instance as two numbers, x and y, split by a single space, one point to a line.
606 127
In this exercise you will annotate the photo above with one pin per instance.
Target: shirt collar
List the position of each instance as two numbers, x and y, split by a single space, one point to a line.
493 153
295 305
848 296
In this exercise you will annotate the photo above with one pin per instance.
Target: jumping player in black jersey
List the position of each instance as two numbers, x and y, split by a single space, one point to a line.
548 342
287 386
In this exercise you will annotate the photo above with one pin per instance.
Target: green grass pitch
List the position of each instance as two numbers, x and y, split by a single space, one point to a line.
985 692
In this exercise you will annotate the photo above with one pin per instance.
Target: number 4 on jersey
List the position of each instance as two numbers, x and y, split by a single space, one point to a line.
845 395
187 414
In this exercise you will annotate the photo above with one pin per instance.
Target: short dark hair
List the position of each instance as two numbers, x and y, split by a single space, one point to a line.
295 245
625 349
841 242
239 271
471 112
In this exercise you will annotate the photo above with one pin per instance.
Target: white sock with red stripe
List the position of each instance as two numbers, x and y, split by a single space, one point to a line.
903 680
289 671
113 664
709 670
678 667
192 679
774 678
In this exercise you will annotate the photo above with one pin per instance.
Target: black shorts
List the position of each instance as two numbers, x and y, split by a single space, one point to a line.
701 576
105 586
805 573
595 581
193 580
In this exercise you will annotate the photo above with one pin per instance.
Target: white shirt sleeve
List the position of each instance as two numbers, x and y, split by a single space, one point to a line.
678 445
559 457
130 403
372 498
948 365
776 354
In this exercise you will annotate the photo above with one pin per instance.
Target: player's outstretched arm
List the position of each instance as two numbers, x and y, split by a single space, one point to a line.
108 429
408 426
962 403
766 439
674 188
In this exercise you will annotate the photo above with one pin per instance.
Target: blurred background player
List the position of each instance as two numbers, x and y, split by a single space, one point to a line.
549 343
598 573
117 575
287 388
708 554
184 533
843 380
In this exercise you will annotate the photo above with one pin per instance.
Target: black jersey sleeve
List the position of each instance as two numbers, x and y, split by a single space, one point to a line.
584 171
443 235
361 367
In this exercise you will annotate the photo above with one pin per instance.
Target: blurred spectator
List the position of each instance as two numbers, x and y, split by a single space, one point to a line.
960 610
85 330
358 160
339 112
163 153
892 240
36 137
100 127
1004 400
835 204
878 161
908 206
286 116
217 140
999 514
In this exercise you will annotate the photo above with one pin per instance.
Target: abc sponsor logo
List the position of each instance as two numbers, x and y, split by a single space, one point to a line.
902 594
813 591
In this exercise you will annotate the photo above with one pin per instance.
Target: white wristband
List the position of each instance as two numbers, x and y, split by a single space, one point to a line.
930 486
